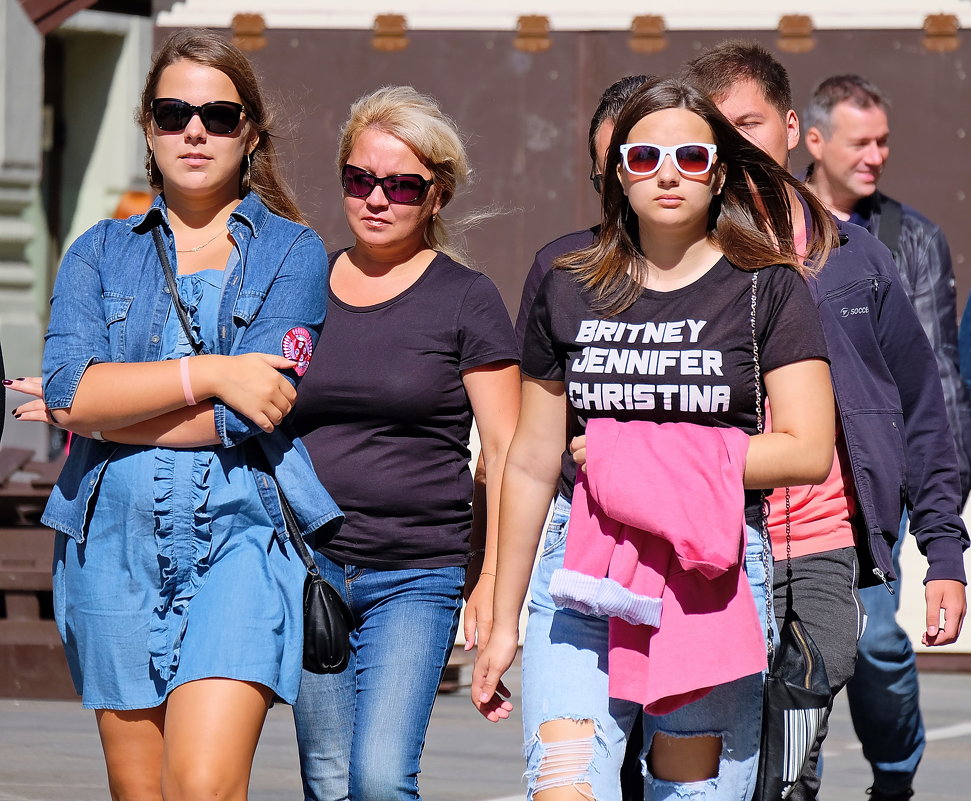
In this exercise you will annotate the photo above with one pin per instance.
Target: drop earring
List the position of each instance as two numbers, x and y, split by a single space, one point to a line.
245 182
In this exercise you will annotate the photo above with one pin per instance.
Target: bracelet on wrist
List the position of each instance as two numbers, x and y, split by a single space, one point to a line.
190 399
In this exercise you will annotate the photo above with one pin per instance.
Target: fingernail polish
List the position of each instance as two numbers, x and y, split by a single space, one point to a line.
19 379
7 382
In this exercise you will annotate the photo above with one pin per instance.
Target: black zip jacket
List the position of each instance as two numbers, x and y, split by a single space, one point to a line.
923 262
891 406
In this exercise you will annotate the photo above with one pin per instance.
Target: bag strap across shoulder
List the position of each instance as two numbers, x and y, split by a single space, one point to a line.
760 427
180 309
888 229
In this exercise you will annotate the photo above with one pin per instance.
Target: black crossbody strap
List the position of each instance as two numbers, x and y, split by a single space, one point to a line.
174 290
293 530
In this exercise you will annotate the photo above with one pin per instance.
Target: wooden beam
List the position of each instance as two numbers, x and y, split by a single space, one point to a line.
48 14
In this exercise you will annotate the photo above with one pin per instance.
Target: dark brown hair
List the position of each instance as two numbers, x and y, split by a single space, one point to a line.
611 102
212 50
749 221
733 61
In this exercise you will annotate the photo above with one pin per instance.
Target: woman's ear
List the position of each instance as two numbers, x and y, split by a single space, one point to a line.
719 181
620 179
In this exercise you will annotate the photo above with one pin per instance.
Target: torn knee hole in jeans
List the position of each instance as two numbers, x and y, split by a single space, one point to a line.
563 763
667 760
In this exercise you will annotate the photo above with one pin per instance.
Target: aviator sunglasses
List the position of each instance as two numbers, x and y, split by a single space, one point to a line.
402 188
691 158
218 116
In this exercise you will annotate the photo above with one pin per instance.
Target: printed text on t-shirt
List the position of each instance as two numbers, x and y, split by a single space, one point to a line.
620 361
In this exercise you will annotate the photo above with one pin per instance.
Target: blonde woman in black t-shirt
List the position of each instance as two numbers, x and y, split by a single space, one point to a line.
653 322
414 344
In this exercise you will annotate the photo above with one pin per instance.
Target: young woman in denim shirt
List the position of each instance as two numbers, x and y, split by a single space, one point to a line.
178 598
415 344
684 229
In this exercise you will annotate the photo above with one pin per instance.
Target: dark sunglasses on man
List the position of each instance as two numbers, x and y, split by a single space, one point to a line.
218 116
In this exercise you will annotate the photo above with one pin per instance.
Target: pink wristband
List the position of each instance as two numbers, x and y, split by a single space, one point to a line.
190 399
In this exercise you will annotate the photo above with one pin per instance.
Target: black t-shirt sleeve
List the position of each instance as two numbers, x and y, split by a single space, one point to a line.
530 287
484 331
540 357
787 320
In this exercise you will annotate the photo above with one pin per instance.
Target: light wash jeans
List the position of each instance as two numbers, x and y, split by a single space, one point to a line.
565 677
883 694
360 733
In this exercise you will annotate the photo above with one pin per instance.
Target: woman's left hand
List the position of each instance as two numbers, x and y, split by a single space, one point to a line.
35 410
478 612
578 447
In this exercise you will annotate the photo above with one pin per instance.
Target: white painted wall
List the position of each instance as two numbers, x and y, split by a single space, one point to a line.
568 14
107 57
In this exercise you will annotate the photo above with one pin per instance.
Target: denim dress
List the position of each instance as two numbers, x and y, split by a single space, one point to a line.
181 576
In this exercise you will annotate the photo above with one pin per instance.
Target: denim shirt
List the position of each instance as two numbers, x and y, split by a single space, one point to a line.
110 304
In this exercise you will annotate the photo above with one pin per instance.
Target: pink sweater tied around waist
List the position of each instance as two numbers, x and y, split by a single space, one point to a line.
656 542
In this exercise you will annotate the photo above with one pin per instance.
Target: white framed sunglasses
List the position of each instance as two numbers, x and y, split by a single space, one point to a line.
691 158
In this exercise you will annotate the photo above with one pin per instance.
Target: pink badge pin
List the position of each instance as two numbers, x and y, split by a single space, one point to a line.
299 347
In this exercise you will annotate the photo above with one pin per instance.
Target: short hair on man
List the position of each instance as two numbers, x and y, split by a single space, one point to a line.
611 102
853 89
715 71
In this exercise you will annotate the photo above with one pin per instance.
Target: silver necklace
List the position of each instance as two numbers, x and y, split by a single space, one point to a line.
200 247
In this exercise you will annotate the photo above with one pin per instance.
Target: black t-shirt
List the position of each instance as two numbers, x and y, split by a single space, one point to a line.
542 264
678 356
384 414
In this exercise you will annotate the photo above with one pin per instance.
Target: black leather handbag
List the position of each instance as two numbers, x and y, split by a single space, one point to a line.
795 698
327 620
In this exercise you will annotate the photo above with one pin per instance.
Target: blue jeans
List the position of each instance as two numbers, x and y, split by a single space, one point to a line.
565 677
884 694
360 733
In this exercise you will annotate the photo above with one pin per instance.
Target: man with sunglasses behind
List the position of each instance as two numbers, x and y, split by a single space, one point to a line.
893 441
847 135
601 129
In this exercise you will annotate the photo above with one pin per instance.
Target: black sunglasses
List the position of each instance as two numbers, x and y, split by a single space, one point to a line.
403 188
597 179
218 116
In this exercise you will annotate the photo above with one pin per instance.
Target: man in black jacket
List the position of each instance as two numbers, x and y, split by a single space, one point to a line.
848 138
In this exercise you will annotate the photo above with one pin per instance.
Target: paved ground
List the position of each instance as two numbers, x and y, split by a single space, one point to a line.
49 751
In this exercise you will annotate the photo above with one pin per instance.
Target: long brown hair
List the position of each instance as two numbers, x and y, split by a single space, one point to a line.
212 50
749 221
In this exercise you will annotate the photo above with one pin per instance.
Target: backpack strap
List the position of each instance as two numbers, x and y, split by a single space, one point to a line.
888 230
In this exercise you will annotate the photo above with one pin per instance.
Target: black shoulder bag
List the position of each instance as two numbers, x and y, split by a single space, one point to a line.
796 692
327 620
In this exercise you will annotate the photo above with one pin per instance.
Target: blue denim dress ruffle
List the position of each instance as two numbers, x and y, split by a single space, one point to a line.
181 577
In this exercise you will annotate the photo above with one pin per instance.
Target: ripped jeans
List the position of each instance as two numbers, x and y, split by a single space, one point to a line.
565 677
